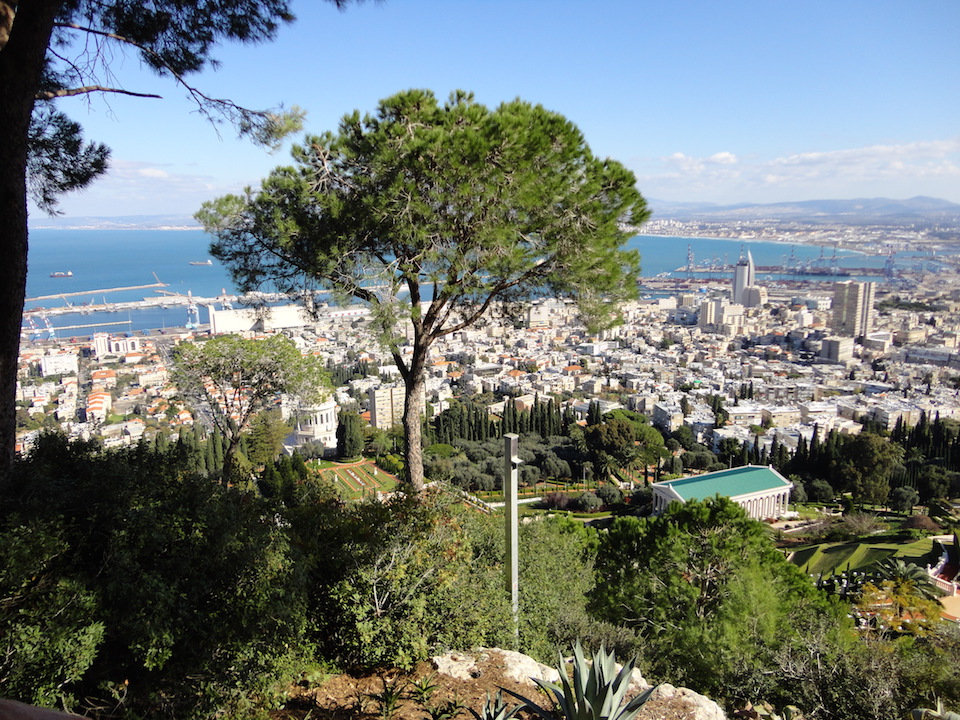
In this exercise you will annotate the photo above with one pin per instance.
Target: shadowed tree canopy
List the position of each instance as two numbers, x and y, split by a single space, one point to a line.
868 462
706 590
612 443
434 215
56 49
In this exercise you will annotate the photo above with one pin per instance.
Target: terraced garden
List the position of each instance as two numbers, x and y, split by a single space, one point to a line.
358 480
831 558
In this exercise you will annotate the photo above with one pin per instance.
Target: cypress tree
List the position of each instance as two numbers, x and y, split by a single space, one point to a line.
210 458
218 446
898 434
593 413
299 466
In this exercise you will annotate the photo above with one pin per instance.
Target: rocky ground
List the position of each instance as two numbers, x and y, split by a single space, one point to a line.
465 678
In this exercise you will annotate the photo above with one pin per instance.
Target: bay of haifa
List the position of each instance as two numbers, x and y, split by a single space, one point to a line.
78 267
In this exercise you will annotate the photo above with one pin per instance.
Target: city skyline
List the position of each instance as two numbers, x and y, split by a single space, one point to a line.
751 103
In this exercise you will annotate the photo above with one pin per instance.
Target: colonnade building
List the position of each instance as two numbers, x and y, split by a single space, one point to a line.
758 489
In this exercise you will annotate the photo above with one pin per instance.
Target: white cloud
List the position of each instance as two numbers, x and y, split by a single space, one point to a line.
723 158
152 172
895 170
138 188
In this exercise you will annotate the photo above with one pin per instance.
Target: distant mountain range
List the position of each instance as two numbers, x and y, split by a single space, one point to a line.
855 212
119 222
852 212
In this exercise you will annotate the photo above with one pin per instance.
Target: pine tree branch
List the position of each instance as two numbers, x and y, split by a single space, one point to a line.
70 92
248 120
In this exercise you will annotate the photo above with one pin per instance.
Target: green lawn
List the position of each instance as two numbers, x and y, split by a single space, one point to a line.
831 558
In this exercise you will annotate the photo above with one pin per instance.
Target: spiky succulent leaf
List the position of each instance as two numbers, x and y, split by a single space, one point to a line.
495 709
596 692
928 714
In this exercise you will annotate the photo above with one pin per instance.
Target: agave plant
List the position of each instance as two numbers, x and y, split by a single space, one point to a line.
597 691
388 701
447 710
423 689
938 714
495 709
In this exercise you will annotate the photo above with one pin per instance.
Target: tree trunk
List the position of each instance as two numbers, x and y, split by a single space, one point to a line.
412 417
21 64
13 273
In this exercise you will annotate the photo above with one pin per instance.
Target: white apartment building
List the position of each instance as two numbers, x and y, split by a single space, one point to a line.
852 308
386 405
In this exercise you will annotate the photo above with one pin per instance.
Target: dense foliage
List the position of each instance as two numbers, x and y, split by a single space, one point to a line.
869 466
720 610
130 581
553 446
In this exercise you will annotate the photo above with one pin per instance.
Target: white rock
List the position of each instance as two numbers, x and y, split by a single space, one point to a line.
461 666
516 666
637 683
523 668
702 707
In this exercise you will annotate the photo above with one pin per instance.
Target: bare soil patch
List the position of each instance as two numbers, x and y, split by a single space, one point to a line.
351 696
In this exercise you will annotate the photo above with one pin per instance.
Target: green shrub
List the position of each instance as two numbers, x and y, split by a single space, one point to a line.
589 502
610 494
391 463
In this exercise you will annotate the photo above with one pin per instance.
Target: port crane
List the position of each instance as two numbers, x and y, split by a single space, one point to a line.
193 314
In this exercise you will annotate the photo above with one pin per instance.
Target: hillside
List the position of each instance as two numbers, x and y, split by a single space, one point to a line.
853 212
482 672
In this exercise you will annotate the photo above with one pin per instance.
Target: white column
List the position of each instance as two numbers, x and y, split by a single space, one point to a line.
511 564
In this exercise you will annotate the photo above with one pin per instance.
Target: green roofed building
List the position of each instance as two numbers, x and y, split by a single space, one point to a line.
760 490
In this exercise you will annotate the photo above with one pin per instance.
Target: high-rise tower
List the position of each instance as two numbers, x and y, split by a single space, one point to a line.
852 308
743 276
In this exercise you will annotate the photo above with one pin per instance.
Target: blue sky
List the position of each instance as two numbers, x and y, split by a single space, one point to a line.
744 101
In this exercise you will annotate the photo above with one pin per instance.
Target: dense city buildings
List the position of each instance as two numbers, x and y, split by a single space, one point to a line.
793 358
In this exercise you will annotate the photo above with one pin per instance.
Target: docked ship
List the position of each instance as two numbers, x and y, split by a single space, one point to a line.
61 273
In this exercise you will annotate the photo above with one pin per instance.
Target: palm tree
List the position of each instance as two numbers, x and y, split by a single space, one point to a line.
908 578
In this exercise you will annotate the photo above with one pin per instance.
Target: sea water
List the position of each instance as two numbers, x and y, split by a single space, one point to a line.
101 260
